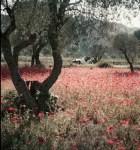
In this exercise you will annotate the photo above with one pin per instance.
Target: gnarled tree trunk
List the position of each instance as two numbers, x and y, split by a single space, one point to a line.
53 34
7 52
48 83
16 78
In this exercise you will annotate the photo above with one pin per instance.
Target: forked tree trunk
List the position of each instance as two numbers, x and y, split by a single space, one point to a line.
53 34
48 83
15 76
56 22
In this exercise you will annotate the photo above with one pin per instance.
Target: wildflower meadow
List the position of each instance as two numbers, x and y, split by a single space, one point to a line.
98 109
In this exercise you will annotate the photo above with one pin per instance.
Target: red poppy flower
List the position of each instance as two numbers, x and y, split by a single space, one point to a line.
138 129
124 122
109 129
41 140
74 147
2 102
41 115
121 148
110 142
84 120
51 113
138 148
11 109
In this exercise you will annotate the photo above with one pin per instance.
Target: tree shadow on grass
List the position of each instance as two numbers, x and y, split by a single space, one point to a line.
126 74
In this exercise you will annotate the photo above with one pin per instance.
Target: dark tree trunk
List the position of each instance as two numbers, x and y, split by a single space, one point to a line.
13 68
32 61
33 55
47 84
16 78
44 96
131 67
15 56
37 60
128 60
53 33
36 51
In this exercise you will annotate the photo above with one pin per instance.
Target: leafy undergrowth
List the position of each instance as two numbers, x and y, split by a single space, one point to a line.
101 111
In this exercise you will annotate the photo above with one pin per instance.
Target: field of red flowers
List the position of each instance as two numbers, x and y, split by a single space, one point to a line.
101 110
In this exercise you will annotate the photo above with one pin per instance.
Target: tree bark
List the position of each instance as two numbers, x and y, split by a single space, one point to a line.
128 60
16 55
16 78
6 47
47 84
44 97
35 56
131 67
37 60
53 34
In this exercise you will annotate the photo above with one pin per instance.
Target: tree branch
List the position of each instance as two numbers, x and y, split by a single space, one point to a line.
25 43
10 12
6 3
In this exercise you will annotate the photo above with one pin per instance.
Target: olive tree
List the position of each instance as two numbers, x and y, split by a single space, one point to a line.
128 46
57 21
31 28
